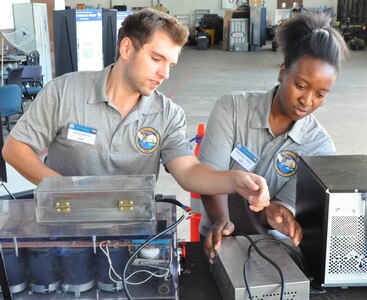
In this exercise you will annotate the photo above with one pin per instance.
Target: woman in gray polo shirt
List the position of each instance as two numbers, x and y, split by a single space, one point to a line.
265 132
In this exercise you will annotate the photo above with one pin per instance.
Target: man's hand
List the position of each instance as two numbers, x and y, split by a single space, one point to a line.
282 219
253 188
214 237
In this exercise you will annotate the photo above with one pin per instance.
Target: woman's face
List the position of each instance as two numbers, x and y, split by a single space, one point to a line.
303 87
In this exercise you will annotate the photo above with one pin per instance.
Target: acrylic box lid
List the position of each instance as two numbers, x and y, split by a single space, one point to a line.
95 198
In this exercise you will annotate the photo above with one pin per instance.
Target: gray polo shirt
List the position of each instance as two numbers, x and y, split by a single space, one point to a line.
242 118
77 103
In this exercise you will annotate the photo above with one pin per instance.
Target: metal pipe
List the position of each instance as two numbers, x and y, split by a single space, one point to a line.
2 61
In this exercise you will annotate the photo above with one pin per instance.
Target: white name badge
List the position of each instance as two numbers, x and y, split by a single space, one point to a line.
244 157
81 134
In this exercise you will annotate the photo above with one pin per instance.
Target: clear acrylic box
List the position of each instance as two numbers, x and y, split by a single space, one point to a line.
65 261
115 198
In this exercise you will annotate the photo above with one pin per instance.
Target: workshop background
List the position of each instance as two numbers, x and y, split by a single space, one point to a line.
214 63
232 47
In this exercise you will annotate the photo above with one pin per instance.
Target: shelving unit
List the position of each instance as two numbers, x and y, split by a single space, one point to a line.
184 19
199 13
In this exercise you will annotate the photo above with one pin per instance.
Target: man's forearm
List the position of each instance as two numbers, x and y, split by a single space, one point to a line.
25 161
36 171
199 178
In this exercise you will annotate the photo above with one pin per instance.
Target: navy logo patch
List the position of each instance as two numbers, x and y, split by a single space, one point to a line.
286 163
147 139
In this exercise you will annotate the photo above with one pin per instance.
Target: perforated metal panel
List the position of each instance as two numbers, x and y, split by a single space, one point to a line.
348 245
346 251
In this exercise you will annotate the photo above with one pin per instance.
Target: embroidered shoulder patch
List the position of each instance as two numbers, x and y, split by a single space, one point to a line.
286 163
147 139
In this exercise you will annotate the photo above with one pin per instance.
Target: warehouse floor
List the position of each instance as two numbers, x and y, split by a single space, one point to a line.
201 76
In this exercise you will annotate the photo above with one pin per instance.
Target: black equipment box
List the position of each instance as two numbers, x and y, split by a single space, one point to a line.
331 207
203 40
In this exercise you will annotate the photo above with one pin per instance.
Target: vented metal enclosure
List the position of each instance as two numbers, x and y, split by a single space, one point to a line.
263 279
331 208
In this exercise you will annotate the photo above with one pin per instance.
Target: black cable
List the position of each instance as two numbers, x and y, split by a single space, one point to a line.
314 288
245 278
281 243
158 198
141 247
10 194
267 259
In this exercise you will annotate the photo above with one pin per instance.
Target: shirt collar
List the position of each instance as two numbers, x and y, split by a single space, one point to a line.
146 104
298 130
150 104
98 90
260 118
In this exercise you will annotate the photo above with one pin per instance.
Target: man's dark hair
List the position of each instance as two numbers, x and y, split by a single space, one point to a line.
141 26
311 34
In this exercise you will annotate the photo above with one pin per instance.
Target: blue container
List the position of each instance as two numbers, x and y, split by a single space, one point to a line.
43 267
15 269
77 268
119 257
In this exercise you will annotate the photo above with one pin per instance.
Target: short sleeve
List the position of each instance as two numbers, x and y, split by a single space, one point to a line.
38 125
218 140
175 143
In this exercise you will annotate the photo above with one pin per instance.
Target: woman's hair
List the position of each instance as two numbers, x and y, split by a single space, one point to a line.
311 34
141 26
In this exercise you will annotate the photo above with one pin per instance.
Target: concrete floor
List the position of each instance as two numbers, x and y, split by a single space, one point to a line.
201 76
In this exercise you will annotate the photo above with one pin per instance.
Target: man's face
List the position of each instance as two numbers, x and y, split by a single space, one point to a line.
148 67
304 87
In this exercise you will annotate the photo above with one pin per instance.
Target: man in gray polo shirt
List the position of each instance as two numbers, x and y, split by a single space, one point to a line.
115 122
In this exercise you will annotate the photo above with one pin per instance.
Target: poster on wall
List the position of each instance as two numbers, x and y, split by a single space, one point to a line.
89 39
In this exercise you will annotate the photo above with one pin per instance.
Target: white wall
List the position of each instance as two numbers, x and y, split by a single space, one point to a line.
6 8
188 6
59 4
